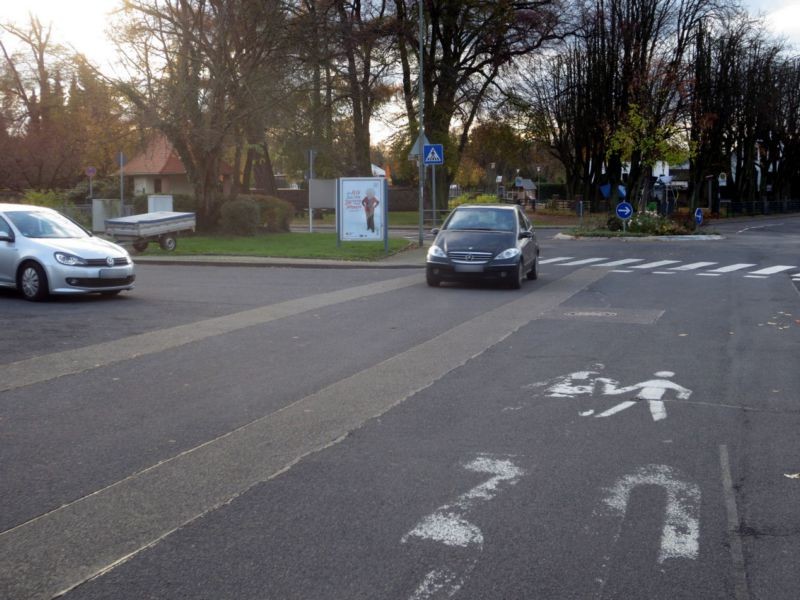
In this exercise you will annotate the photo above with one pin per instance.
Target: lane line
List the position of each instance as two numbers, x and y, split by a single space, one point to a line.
664 273
731 268
621 271
547 261
755 277
585 261
740 587
656 264
773 270
692 266
70 362
709 274
619 263
58 551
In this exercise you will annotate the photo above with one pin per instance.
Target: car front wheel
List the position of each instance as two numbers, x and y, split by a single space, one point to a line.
534 272
516 282
32 282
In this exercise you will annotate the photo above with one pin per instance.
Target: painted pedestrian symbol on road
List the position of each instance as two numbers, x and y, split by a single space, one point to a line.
652 391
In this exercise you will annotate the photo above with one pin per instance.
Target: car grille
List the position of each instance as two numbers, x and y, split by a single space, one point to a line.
100 283
469 257
101 262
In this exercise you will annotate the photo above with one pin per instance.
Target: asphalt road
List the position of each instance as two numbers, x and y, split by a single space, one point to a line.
624 427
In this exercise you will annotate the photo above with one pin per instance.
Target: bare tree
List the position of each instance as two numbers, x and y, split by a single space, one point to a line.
196 67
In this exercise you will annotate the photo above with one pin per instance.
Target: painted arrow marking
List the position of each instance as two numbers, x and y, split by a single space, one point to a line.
681 533
447 525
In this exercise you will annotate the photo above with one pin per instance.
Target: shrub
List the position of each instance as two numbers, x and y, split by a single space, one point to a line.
468 199
614 223
274 214
240 217
48 198
654 224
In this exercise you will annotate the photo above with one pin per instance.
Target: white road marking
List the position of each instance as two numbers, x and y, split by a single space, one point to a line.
588 383
709 274
619 263
663 272
692 266
585 261
547 261
447 525
680 536
622 271
773 270
756 277
730 268
656 264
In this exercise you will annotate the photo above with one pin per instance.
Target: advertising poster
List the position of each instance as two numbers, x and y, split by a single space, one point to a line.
362 209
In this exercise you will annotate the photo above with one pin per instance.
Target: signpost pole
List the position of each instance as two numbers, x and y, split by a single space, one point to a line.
421 120
433 192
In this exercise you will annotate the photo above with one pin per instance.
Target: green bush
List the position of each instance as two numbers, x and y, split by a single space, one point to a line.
614 223
275 215
469 199
240 217
652 223
48 198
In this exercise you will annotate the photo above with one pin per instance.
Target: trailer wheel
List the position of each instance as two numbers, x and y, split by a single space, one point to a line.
168 242
140 245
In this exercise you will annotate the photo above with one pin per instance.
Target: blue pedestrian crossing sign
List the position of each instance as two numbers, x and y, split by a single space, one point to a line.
433 154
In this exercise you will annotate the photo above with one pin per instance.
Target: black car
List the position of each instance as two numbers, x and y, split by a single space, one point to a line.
484 242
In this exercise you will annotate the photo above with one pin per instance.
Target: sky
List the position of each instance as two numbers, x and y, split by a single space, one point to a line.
83 24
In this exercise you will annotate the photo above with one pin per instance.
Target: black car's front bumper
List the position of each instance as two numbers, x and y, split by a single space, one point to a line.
491 271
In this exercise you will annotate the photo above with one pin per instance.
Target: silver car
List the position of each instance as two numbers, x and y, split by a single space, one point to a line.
43 252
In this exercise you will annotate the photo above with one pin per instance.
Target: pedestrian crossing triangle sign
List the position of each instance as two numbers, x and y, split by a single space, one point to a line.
433 154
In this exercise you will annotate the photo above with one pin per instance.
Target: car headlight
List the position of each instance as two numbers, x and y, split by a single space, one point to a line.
508 253
69 259
437 252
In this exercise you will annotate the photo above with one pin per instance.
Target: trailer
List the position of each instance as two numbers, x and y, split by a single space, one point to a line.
140 230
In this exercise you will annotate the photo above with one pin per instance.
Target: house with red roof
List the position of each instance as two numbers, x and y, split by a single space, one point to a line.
159 170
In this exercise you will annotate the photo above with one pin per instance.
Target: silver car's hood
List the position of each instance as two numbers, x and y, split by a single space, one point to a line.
92 247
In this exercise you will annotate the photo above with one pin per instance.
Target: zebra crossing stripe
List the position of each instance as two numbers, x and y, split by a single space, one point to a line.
619 263
773 270
655 265
692 266
556 259
731 268
585 261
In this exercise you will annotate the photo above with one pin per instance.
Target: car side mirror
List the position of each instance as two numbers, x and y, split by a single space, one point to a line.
6 237
435 230
525 234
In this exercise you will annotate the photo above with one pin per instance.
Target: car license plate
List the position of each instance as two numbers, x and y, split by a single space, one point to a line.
112 273
469 268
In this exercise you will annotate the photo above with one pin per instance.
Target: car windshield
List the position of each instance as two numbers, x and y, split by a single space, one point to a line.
40 224
482 219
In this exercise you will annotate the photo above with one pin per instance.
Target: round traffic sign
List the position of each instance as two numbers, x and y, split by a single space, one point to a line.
698 216
624 210
91 171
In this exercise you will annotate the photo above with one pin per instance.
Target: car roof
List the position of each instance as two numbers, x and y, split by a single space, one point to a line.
10 207
493 206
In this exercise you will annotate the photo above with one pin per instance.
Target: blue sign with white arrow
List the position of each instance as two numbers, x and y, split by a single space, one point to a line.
433 154
698 216
624 210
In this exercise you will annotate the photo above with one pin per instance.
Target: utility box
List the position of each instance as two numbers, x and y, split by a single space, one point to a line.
103 209
159 203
